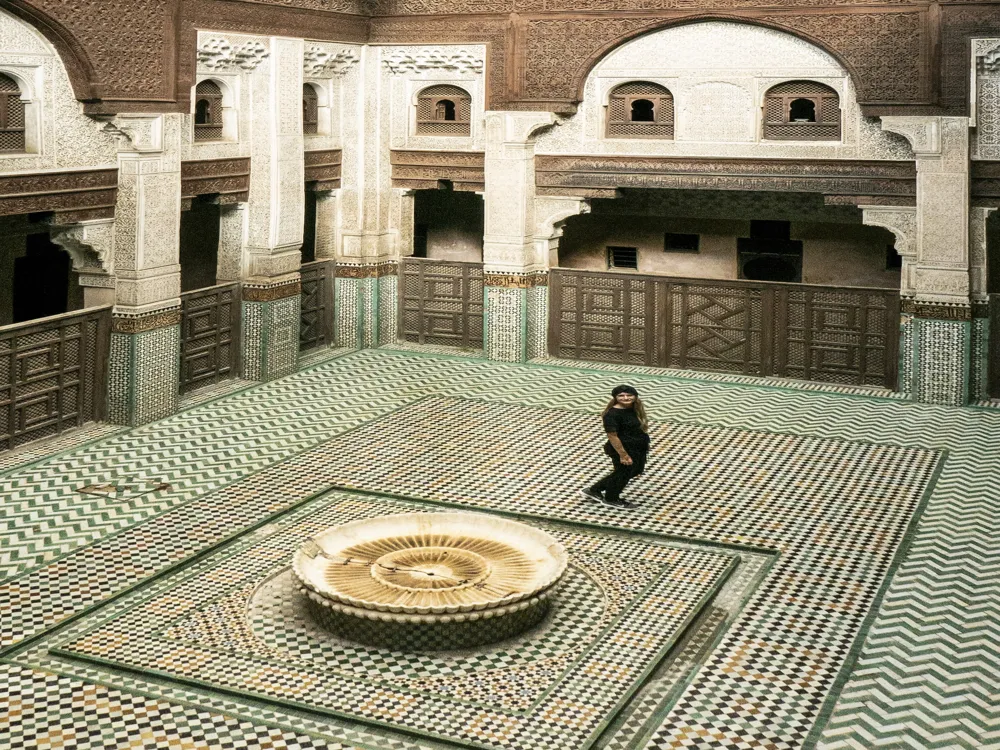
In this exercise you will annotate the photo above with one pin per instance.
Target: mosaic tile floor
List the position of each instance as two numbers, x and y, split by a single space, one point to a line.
828 481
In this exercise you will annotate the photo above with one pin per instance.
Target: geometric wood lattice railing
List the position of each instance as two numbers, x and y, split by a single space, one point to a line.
441 302
53 375
830 334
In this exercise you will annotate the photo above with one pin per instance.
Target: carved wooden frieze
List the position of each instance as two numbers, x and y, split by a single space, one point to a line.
361 271
574 175
228 178
421 170
323 169
73 195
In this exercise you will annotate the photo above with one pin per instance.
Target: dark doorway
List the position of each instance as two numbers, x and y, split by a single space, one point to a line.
41 280
199 244
448 225
309 233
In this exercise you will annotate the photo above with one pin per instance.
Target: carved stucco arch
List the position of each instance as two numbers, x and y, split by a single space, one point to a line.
588 66
72 54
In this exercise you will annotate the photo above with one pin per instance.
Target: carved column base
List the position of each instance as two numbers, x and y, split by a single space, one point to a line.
271 329
144 366
367 301
939 343
516 316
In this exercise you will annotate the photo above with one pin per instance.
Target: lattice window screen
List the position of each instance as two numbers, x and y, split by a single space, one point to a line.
12 135
208 112
432 109
310 110
778 124
620 109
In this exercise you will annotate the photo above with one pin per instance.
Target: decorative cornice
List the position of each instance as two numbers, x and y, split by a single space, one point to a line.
586 175
421 170
320 63
229 178
253 292
78 195
461 61
122 322
217 53
375 271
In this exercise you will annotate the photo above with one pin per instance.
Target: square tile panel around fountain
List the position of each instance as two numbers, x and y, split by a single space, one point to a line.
241 625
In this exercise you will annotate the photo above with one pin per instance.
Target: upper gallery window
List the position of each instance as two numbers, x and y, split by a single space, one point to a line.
208 124
444 110
310 110
640 109
801 111
12 119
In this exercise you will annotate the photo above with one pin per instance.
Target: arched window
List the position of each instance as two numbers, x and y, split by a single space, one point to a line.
310 110
640 109
801 111
12 120
208 112
444 110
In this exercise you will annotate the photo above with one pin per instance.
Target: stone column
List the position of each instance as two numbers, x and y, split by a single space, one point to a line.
511 265
327 222
271 286
940 302
144 362
233 225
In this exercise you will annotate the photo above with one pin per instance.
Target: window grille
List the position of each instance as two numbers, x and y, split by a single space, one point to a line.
623 257
639 109
444 110
208 112
310 110
12 120
802 111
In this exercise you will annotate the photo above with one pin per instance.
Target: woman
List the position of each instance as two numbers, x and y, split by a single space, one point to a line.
628 443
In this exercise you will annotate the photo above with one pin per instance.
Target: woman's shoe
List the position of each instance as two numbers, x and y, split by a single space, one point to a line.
591 494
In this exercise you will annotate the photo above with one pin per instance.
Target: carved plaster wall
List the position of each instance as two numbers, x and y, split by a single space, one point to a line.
718 72
64 137
986 103
326 67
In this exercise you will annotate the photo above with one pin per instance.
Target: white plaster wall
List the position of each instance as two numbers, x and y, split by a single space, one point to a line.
718 72
67 138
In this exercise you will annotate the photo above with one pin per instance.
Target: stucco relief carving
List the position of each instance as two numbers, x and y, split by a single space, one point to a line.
923 133
404 61
90 244
977 253
685 59
218 53
902 222
321 62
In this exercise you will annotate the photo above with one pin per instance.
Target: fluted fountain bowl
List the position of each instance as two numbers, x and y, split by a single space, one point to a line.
430 581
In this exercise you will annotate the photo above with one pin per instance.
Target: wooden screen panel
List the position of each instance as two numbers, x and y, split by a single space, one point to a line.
828 334
846 336
441 302
53 375
603 317
316 317
717 326
210 332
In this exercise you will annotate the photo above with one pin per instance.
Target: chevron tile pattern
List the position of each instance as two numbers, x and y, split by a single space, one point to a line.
923 678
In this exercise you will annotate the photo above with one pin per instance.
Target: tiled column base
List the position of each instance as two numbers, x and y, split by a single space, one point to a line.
979 388
366 305
515 312
907 325
144 367
941 351
271 330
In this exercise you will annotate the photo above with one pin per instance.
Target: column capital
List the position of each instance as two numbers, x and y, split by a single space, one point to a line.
516 127
923 133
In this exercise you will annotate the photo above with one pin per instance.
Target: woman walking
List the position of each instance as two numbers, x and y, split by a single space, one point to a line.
628 443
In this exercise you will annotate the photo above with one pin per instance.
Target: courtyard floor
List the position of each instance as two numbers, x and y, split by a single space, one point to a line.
805 567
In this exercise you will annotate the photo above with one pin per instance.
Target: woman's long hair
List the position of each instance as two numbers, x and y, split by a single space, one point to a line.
637 407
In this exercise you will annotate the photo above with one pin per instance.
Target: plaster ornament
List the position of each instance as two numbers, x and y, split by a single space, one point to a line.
218 53
401 61
318 62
